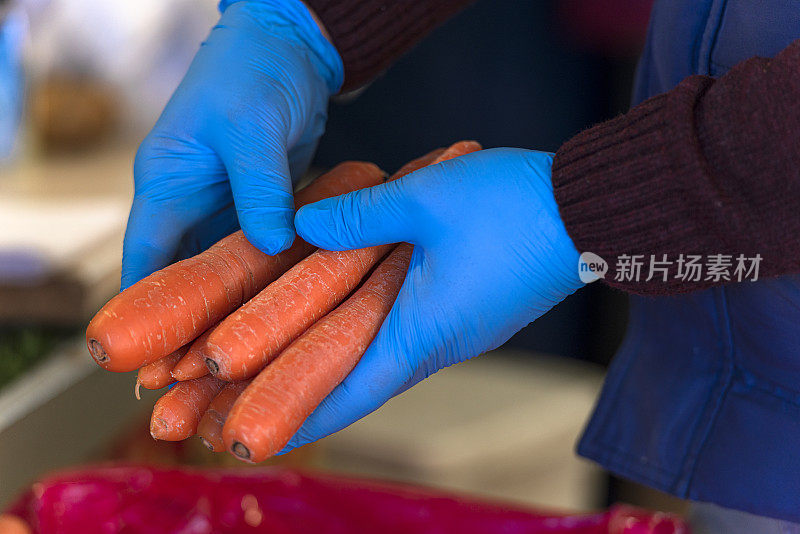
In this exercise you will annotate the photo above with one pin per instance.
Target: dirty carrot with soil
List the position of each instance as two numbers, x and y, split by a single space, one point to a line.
284 394
171 307
177 413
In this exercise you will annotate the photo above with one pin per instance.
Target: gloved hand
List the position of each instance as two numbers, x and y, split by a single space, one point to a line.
490 255
243 123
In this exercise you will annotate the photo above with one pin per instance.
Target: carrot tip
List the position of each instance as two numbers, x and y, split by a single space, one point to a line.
158 427
213 367
207 444
136 390
240 450
97 351
181 375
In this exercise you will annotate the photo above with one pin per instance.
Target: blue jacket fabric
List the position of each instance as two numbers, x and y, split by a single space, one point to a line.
703 398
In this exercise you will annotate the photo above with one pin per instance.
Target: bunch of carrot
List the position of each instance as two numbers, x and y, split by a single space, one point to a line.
255 342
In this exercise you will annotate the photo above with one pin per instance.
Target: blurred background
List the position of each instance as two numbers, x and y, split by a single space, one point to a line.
81 82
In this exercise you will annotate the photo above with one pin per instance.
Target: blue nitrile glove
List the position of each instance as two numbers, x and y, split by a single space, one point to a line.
13 26
490 255
243 123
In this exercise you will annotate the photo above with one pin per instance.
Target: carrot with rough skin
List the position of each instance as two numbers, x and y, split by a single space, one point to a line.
283 395
248 339
210 428
193 363
252 336
157 374
191 366
177 413
171 307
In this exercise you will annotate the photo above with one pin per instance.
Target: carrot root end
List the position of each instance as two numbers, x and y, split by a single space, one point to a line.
240 450
98 353
213 367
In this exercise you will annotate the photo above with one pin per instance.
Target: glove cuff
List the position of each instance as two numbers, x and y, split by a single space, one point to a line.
620 185
294 21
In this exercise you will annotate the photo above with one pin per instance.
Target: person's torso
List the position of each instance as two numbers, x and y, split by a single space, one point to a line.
703 399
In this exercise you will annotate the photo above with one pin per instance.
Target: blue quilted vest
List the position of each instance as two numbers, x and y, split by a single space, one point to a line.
703 398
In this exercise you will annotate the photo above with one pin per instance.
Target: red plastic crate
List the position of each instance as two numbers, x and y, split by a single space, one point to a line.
268 500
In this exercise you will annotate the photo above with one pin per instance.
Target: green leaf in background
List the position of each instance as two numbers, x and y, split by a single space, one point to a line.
22 347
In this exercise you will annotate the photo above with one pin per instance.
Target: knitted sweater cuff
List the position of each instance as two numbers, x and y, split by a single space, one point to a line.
624 186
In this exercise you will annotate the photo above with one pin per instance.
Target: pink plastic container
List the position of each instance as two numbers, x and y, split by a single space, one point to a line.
131 500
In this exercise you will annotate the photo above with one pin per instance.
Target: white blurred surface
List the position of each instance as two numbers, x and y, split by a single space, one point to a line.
503 425
39 237
61 225
142 47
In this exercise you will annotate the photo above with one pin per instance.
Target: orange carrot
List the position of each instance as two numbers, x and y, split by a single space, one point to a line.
11 524
157 374
253 335
193 363
177 413
284 394
456 150
417 164
171 307
248 339
210 428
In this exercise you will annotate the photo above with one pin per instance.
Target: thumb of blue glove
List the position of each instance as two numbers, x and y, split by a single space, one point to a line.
490 255
243 124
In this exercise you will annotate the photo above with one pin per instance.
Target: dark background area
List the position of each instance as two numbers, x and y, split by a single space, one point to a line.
506 73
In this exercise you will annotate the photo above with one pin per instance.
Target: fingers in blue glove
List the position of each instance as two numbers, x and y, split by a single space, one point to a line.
175 188
241 126
491 256
372 216
262 191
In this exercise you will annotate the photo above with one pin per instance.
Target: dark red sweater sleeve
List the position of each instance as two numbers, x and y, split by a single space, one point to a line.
710 167
371 34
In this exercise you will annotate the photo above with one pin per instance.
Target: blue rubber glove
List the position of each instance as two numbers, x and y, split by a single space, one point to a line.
243 123
490 255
